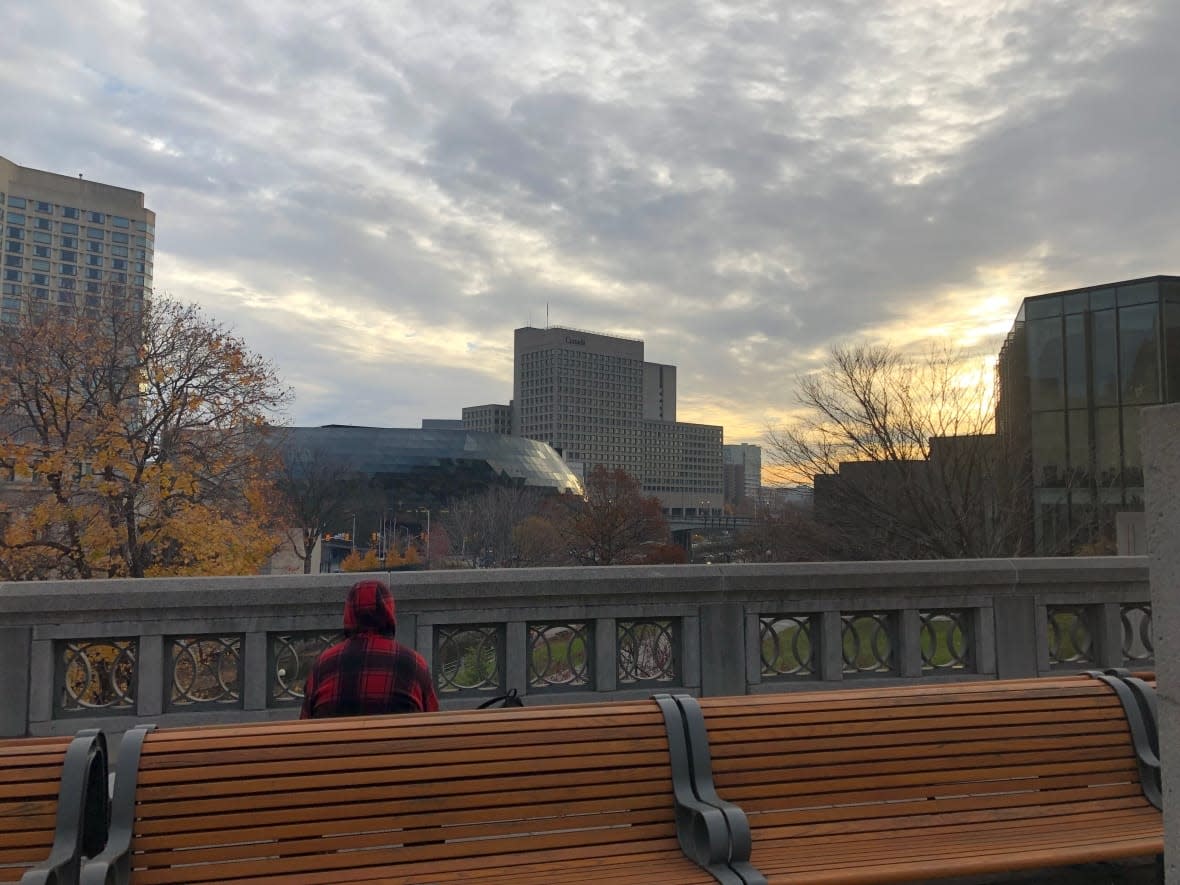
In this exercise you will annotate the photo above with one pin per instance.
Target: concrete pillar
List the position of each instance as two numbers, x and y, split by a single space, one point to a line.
1016 636
16 649
723 649
1161 460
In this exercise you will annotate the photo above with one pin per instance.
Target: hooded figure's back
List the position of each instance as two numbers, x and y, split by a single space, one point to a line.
368 672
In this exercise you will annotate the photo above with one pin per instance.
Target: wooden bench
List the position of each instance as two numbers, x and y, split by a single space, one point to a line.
901 784
53 806
537 795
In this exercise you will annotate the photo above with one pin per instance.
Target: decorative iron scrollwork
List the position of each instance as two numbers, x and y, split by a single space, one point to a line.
97 675
206 671
1071 639
1137 642
647 652
469 658
788 644
946 640
867 640
291 656
561 656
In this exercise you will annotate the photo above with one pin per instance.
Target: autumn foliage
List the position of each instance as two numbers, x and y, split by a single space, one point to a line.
129 435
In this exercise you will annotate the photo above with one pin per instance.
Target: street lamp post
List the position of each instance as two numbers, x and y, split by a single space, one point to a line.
428 537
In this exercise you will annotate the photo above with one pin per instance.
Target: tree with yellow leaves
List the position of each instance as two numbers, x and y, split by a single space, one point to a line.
129 433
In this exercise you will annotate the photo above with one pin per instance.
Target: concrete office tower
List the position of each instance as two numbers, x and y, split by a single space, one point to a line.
490 418
68 241
743 474
594 399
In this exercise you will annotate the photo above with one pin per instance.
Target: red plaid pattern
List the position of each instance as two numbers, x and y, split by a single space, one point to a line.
368 673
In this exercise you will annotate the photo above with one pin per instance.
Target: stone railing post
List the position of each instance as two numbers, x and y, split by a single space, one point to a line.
723 649
16 651
1161 458
1016 634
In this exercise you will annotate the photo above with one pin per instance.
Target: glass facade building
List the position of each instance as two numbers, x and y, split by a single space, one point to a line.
1073 375
431 467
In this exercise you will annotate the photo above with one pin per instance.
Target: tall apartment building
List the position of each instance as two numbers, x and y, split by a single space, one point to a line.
743 474
67 241
594 399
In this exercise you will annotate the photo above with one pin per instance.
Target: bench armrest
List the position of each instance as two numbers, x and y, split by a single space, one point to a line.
113 865
83 811
714 833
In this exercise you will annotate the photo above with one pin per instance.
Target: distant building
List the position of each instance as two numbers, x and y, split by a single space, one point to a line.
595 400
442 424
68 241
1074 373
430 467
743 474
492 418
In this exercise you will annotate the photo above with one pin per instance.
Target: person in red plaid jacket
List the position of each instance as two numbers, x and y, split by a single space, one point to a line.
368 672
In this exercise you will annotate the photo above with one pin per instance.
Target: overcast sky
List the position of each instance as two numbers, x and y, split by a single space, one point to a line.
375 194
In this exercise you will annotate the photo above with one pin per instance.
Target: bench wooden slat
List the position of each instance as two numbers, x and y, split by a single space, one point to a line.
278 750
363 819
194 814
425 760
30 775
630 863
487 851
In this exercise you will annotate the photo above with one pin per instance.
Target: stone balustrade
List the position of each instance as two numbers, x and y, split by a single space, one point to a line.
194 650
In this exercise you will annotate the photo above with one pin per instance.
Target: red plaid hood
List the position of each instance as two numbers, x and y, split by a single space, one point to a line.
369 609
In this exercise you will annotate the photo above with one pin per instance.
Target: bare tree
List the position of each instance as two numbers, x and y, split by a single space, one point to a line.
313 489
484 527
903 455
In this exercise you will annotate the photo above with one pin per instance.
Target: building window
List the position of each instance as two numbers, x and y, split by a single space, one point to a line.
13 246
13 276
119 221
42 224
69 270
17 233
69 243
67 228
96 218
40 251
93 273
69 212
13 261
119 251
67 255
117 237
39 279
94 247
42 237
17 202
95 233
94 260
15 217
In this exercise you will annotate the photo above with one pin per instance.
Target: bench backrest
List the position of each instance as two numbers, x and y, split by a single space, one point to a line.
412 793
863 759
30 775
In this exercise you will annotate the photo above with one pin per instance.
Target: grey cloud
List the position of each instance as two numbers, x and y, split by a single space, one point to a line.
674 155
